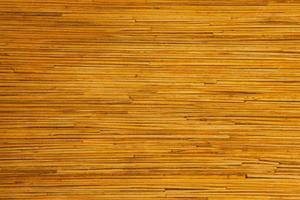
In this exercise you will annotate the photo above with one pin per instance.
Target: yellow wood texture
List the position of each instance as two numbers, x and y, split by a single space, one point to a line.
150 99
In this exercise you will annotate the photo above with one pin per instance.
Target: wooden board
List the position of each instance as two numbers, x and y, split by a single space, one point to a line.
150 99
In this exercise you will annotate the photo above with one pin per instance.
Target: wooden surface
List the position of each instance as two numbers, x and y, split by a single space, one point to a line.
150 99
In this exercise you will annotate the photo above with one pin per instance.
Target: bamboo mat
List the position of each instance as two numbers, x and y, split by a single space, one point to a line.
150 99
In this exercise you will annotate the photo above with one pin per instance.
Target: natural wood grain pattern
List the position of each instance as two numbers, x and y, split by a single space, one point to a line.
150 99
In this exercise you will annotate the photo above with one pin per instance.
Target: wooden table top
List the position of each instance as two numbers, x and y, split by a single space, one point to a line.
149 99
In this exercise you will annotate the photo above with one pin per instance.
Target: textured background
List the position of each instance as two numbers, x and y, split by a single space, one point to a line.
149 99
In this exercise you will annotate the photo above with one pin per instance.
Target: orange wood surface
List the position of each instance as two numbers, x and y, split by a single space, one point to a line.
149 99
